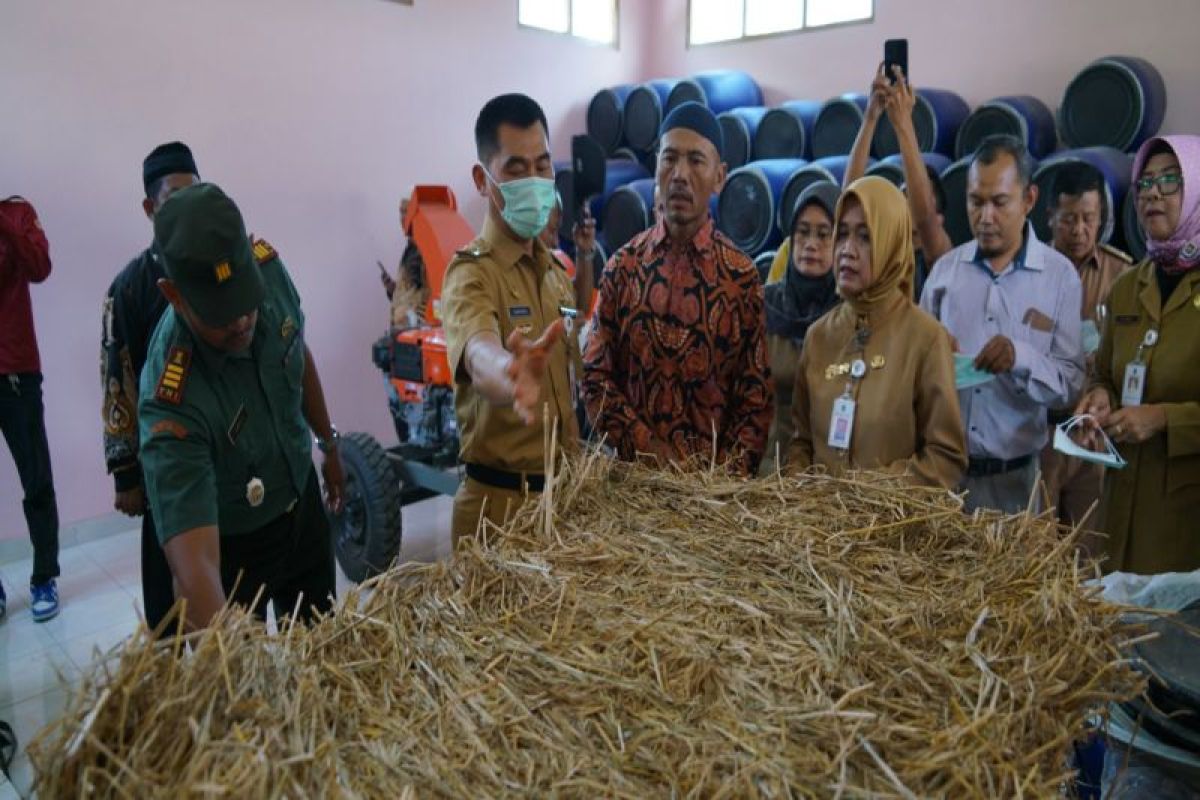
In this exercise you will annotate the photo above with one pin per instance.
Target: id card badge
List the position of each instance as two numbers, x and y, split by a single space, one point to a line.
841 424
1134 385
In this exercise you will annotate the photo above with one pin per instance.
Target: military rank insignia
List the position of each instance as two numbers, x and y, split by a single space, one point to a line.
222 271
263 252
174 375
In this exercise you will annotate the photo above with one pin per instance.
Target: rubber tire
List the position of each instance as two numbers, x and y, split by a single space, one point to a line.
366 534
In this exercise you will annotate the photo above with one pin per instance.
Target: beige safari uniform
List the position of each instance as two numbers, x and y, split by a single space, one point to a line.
906 419
493 286
1151 508
1073 486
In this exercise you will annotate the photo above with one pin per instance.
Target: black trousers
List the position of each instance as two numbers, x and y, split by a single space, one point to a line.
289 559
158 587
23 422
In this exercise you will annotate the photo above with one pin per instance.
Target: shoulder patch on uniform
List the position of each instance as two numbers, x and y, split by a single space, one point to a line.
174 376
475 249
263 252
1115 253
170 426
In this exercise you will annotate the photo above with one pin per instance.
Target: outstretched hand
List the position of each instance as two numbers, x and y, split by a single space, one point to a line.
527 367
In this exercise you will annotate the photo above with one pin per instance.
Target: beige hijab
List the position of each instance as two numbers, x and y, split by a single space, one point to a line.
892 260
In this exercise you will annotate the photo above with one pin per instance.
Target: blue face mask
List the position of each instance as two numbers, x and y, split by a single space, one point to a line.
527 204
965 373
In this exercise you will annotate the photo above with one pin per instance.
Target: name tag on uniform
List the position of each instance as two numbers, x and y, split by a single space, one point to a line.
1135 384
515 312
841 424
1127 319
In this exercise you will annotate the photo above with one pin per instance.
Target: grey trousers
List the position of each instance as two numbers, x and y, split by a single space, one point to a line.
1008 492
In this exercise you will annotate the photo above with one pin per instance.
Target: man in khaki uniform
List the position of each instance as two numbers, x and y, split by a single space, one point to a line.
511 394
1077 214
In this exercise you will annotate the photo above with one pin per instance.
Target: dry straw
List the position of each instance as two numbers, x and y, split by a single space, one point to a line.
639 634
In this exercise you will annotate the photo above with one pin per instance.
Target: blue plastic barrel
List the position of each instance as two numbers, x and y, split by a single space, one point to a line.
1022 116
719 89
605 116
786 131
837 125
746 208
1117 101
738 126
1116 167
830 168
628 211
937 116
644 110
892 167
954 184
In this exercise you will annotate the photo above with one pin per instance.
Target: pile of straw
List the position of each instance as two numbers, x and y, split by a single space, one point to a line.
640 634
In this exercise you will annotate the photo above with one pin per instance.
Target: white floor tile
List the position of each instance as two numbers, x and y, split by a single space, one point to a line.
96 645
28 718
35 674
103 609
20 636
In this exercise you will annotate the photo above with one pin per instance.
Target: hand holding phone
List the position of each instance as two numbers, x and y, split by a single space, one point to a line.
895 54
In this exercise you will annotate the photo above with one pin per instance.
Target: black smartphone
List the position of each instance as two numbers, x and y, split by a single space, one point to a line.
895 54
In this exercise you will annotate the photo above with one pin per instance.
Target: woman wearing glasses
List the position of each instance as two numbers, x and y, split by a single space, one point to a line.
1146 393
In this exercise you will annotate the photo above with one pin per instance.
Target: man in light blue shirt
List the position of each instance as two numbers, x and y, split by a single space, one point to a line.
1011 303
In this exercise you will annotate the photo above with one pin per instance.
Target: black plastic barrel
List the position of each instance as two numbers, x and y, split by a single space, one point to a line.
605 115
830 168
738 126
837 125
1022 116
628 212
617 173
954 184
719 89
937 116
1116 167
892 167
1135 238
786 131
1118 101
643 113
746 209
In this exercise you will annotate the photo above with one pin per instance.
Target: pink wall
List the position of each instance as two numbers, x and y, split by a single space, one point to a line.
316 116
979 49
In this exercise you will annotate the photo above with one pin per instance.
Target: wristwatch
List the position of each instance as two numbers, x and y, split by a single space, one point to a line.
327 445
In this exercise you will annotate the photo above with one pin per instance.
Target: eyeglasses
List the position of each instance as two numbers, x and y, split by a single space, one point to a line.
1168 184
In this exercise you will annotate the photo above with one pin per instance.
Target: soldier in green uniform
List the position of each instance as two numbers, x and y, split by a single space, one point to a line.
228 396
500 292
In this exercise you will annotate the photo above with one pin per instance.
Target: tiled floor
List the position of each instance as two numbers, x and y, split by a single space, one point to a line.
100 590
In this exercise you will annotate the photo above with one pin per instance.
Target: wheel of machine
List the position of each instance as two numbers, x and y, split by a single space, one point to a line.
366 534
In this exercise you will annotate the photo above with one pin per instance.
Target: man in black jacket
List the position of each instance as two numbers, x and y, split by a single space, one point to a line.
132 309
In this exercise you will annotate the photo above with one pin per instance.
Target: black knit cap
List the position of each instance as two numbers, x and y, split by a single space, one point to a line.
167 159
698 118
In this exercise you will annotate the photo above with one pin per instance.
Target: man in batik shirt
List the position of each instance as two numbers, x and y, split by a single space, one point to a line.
676 367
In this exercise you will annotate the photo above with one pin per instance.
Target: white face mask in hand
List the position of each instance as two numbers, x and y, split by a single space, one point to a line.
1064 444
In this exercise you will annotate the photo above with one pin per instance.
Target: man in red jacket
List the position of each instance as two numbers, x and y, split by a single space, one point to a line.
25 259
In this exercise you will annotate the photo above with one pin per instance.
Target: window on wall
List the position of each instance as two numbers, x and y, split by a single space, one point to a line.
726 20
594 20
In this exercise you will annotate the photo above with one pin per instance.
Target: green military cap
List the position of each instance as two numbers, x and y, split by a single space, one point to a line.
202 241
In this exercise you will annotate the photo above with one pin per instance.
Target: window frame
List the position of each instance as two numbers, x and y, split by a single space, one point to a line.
806 28
616 40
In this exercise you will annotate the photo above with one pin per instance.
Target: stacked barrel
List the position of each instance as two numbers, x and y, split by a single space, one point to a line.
774 152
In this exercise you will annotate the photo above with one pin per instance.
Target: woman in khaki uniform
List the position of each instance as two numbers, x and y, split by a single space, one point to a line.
875 385
1146 394
795 302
